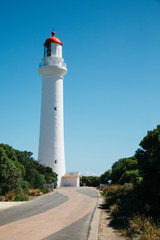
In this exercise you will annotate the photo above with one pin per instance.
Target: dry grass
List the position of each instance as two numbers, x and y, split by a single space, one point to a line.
113 188
35 192
10 196
143 228
2 198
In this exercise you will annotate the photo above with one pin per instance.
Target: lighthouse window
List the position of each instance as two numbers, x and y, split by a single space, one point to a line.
47 50
55 108
55 161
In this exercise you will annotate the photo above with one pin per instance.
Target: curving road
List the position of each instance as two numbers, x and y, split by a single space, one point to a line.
65 214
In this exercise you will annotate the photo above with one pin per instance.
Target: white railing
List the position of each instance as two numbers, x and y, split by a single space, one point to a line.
51 61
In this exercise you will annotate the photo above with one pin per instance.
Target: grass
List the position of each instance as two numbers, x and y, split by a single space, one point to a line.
35 192
10 196
143 228
21 196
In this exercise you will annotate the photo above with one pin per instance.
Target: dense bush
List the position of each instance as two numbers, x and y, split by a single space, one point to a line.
120 167
50 176
35 169
91 181
20 197
44 190
111 194
121 195
25 186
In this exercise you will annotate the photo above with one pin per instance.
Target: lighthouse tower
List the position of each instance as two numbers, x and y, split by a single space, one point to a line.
51 141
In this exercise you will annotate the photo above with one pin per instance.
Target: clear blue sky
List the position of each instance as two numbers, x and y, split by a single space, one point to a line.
111 90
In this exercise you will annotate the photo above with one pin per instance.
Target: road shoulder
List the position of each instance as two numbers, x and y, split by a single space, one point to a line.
106 231
94 226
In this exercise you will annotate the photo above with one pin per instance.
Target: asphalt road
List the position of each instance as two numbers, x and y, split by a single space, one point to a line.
65 214
32 208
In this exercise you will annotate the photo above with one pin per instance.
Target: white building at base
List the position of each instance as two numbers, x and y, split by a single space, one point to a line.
71 179
51 140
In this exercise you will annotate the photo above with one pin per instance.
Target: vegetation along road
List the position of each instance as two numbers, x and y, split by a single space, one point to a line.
65 214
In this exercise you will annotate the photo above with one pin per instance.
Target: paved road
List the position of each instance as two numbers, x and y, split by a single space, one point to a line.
65 214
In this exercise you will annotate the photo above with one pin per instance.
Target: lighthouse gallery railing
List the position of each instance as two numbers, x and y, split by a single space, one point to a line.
51 61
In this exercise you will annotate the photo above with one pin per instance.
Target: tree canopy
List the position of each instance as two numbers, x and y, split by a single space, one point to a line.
122 168
105 177
148 157
19 171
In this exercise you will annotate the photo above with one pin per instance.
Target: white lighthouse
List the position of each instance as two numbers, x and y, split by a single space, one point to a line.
51 141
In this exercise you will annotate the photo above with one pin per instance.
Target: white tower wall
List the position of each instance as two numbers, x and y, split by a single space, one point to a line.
51 142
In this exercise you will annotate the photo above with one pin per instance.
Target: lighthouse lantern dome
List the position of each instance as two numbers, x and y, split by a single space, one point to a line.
53 47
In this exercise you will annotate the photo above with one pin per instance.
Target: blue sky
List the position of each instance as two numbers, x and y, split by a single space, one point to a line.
111 90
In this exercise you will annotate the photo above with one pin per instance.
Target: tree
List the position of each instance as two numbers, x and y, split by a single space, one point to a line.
92 181
121 166
19 171
10 175
131 176
148 157
105 177
50 176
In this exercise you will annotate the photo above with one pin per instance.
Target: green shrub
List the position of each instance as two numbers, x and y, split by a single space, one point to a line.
20 197
25 186
50 176
123 197
39 180
111 194
45 190
126 188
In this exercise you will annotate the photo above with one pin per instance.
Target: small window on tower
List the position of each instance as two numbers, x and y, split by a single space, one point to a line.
55 108
55 161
